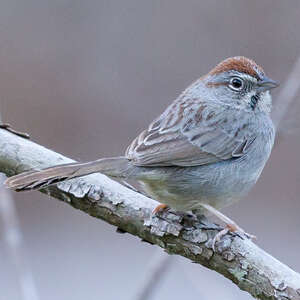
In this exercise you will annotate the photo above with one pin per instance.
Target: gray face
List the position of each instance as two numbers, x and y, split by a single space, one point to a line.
241 90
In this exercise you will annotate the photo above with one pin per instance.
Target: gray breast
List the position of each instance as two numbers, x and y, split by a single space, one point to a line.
218 184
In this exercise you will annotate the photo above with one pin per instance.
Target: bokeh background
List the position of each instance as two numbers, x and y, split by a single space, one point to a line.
83 78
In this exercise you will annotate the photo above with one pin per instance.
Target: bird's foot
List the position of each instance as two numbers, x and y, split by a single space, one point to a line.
160 209
233 229
11 130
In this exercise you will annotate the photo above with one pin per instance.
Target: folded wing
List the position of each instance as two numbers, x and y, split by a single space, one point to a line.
191 133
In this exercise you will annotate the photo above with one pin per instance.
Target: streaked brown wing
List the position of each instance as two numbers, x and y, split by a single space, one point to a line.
190 133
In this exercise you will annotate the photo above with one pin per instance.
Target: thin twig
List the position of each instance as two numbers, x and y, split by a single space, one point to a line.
13 239
154 273
287 94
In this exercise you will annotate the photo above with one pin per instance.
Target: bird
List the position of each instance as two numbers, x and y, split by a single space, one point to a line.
203 153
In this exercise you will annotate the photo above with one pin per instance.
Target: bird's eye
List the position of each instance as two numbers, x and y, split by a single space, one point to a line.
236 83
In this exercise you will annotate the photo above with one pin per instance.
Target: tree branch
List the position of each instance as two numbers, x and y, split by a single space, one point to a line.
248 266
287 94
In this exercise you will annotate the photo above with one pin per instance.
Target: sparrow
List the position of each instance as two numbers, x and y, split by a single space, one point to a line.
203 153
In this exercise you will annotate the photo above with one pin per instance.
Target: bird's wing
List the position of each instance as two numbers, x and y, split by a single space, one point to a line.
191 133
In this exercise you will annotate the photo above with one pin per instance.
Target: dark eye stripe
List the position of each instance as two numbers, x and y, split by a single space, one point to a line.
213 84
247 85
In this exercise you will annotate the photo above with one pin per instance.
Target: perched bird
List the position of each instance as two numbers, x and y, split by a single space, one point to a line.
205 151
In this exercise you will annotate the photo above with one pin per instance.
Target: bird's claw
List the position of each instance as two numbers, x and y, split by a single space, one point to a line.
234 230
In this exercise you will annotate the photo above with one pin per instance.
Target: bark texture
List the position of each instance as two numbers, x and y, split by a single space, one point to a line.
241 261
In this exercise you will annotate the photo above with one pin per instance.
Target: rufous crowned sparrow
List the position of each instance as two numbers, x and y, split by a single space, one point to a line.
206 150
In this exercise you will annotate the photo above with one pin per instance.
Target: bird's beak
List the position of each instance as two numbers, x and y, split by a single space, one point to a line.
266 84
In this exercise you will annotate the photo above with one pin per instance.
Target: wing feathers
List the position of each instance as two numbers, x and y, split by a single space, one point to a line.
190 133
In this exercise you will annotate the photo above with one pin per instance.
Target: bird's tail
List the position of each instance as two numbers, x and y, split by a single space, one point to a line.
32 180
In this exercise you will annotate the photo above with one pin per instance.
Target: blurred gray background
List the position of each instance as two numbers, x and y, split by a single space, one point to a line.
84 78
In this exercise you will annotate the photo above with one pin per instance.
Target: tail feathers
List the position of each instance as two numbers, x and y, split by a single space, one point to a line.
32 180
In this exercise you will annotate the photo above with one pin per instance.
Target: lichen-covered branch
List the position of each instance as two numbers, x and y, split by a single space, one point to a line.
248 266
